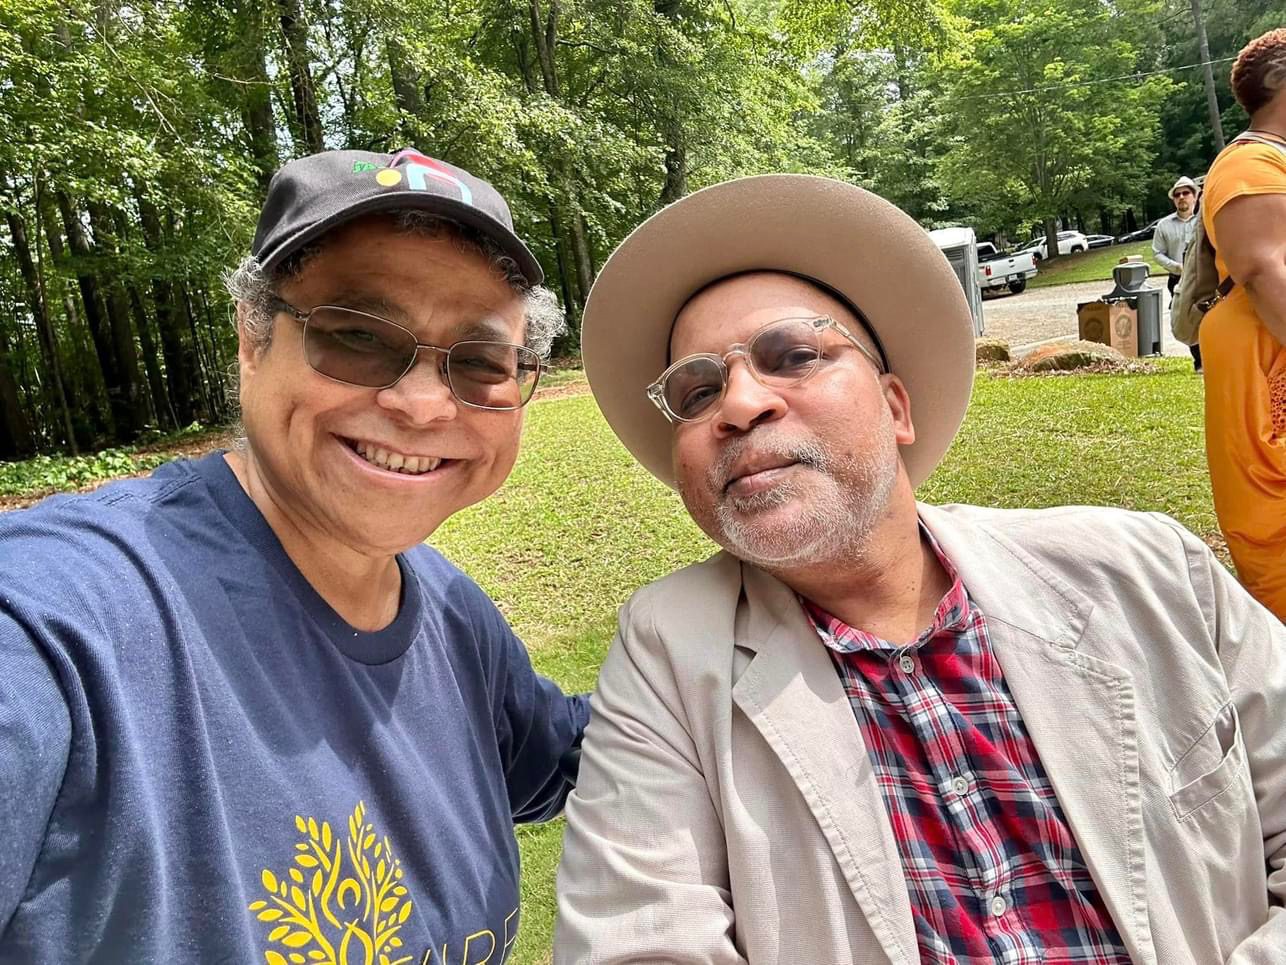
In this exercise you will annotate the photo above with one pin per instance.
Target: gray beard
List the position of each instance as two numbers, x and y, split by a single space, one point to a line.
839 511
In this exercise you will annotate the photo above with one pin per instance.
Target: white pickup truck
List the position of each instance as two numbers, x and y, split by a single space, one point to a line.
999 270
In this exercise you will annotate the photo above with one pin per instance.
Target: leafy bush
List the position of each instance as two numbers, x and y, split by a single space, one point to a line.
66 473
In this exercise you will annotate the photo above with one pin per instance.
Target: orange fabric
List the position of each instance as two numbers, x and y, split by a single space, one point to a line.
1245 376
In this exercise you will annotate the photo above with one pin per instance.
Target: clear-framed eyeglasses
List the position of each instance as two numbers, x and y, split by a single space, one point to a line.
783 353
357 348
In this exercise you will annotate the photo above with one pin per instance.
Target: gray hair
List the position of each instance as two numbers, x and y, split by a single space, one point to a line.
254 288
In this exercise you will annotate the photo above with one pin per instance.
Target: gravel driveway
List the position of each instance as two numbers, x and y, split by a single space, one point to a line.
1044 314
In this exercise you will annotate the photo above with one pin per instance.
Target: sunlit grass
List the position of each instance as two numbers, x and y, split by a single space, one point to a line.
1093 265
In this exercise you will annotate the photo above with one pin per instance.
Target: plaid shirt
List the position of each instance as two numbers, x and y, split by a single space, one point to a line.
993 871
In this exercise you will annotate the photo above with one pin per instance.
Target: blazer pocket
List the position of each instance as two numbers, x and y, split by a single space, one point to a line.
1210 766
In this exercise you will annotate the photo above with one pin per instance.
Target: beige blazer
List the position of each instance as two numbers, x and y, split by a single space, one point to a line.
726 809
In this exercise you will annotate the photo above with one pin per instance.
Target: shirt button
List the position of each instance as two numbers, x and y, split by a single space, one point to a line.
998 906
907 664
961 786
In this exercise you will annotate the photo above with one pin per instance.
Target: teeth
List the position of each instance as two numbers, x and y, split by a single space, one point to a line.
395 461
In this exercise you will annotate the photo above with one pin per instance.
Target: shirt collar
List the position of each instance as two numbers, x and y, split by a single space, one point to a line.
952 614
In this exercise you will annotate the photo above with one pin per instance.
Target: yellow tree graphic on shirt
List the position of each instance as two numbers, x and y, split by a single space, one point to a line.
342 903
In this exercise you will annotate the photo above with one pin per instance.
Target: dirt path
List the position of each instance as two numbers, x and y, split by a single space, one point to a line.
1043 314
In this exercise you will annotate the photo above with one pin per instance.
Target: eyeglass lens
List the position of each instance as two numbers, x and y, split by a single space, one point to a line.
364 350
783 353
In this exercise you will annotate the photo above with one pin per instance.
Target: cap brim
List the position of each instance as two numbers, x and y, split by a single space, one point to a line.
843 236
450 208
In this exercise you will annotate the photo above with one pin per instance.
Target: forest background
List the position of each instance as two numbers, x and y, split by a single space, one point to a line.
137 141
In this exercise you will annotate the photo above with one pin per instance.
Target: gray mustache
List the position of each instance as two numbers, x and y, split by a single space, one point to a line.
804 452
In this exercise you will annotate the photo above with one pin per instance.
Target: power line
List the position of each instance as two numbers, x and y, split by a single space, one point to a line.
1091 83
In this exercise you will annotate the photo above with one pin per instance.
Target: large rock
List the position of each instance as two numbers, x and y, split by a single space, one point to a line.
991 350
1076 356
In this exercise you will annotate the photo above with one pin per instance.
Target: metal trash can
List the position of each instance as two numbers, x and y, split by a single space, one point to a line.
1131 287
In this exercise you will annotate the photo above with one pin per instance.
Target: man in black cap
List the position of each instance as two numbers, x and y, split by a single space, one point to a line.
245 714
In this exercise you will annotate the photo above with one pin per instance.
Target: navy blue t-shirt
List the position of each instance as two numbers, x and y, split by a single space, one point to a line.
200 761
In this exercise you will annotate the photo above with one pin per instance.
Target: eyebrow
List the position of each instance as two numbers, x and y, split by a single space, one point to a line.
370 303
486 328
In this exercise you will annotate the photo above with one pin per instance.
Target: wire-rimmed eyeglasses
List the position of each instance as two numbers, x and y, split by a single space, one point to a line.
782 353
358 348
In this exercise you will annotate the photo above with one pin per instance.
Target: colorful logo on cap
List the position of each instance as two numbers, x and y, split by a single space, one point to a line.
418 169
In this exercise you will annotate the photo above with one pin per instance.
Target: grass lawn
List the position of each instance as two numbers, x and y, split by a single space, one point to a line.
1093 265
579 525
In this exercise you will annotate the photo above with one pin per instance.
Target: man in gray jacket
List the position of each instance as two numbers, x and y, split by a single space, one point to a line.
873 730
1171 239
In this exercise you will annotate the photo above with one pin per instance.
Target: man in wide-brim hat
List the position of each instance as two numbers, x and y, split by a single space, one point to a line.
873 730
1171 238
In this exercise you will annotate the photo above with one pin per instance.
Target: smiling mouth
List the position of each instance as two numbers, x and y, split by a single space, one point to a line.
393 461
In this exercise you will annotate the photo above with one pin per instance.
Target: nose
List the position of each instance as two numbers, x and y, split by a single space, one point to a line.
422 395
746 401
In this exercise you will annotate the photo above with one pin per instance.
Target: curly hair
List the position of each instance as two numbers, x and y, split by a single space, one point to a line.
1259 73
254 288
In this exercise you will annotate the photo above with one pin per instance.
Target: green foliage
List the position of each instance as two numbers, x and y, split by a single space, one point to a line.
44 474
57 474
1040 122
1187 141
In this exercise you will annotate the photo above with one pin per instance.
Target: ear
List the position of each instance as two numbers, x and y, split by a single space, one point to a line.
248 351
899 403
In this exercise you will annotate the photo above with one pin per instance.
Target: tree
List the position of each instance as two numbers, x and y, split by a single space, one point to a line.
1046 110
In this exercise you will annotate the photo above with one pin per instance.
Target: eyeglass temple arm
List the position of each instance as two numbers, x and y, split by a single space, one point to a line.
281 305
875 360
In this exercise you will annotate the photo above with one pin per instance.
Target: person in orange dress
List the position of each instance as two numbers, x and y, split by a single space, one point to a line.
1243 338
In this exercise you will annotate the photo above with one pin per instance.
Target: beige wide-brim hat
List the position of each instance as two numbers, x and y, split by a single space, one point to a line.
848 239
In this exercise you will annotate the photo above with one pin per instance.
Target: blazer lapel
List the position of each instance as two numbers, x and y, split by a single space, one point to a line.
1077 707
791 693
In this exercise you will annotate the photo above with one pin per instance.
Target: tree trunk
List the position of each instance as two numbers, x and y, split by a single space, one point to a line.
572 296
202 365
118 412
180 366
57 394
123 347
256 115
545 35
676 166
83 376
544 32
1207 72
307 126
165 417
408 90
15 431
221 365
580 248
675 184
1051 238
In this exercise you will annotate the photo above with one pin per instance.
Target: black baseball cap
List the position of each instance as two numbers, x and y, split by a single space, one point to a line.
311 195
